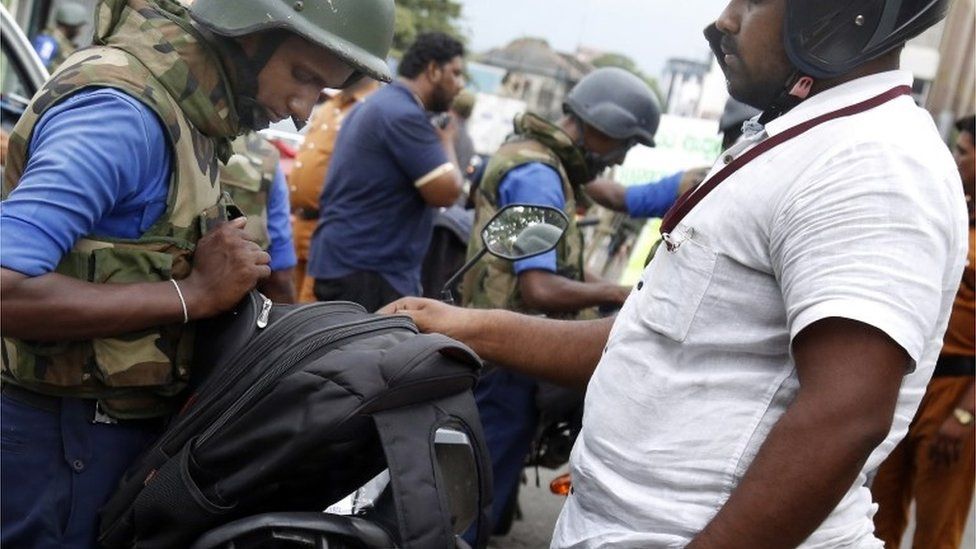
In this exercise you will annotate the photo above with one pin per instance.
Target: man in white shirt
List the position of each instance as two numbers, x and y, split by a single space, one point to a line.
777 348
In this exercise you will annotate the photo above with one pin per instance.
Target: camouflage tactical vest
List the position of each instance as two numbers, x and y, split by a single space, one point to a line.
148 51
492 283
247 178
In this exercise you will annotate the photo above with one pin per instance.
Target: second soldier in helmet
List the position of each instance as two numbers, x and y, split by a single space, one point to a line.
605 114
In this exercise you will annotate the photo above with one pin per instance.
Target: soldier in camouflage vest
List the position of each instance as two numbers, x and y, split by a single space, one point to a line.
607 113
54 44
114 232
256 184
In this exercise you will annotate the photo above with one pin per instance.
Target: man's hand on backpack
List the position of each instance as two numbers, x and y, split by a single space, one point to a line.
227 264
435 316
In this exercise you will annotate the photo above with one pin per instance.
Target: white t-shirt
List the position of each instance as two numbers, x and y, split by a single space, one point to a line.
862 218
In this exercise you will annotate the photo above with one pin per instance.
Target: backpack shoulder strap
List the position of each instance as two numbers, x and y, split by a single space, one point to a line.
420 501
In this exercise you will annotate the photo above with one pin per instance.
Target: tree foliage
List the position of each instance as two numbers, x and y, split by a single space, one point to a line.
415 17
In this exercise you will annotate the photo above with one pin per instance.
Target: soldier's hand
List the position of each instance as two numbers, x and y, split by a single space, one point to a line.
226 265
622 293
4 143
691 179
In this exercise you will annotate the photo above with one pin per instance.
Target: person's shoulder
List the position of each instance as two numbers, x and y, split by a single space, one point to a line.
877 142
393 101
107 98
535 171
90 110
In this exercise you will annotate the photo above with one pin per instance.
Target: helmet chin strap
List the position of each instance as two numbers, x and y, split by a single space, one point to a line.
797 89
595 163
246 68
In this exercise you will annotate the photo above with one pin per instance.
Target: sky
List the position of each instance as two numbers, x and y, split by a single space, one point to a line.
648 31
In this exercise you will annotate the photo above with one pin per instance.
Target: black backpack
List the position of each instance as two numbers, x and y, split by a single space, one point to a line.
307 403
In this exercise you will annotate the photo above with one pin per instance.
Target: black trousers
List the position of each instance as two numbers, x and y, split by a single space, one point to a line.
369 289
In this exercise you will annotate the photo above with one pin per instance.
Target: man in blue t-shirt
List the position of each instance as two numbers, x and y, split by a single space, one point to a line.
390 168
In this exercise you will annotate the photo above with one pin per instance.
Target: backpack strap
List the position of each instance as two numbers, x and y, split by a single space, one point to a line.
420 502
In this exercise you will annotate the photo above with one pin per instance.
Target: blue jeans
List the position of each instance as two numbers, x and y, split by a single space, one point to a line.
506 404
57 469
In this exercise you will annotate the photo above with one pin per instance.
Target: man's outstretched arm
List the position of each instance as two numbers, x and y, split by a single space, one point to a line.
563 352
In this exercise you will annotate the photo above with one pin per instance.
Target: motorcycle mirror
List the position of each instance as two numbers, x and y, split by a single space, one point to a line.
520 232
516 232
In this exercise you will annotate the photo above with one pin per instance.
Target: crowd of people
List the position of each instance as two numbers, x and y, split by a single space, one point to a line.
794 368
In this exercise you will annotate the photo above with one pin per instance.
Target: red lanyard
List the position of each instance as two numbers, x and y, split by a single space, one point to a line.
691 199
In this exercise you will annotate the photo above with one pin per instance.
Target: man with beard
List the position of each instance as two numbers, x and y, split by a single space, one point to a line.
391 166
115 240
776 349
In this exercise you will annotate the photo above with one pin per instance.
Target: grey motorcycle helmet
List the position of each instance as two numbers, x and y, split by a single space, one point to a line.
827 38
71 15
617 103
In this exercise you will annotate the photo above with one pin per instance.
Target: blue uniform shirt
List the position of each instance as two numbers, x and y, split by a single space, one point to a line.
372 217
537 184
282 247
653 199
46 47
99 164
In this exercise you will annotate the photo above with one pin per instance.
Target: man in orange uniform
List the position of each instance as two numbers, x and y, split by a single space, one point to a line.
308 174
935 464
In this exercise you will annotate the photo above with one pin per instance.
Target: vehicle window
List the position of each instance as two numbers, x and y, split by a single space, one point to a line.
14 95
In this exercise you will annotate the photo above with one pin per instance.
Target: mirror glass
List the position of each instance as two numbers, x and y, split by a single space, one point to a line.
519 231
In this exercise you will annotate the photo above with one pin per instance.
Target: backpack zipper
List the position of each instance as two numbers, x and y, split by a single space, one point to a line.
316 341
259 348
265 313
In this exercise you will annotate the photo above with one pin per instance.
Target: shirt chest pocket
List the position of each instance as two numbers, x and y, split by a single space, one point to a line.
672 288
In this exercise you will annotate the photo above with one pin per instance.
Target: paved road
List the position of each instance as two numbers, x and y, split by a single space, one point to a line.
540 509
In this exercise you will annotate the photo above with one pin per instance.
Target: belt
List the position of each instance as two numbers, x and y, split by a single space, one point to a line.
949 365
307 214
52 404
30 398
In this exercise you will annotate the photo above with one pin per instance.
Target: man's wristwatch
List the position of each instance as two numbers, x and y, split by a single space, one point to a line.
964 417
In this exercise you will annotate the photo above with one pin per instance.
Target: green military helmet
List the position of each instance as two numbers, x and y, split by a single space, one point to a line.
70 14
360 32
463 103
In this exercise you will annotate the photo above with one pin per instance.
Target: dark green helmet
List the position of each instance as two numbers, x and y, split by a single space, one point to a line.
71 15
359 32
